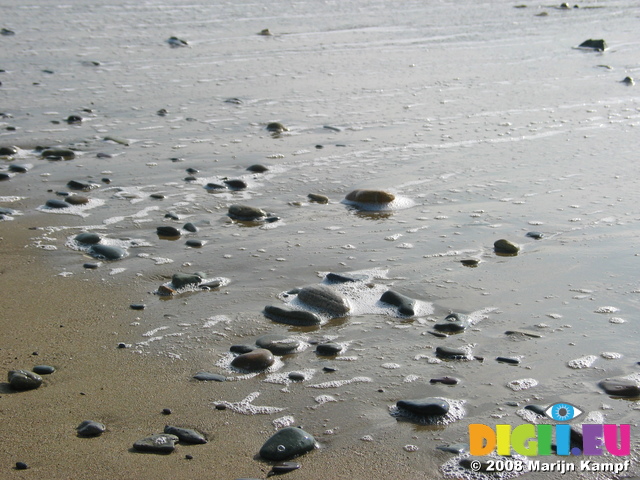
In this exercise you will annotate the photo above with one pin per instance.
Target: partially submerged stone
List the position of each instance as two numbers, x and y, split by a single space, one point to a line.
406 305
245 212
276 127
290 316
58 154
182 280
454 322
88 238
287 443
167 231
425 406
324 298
370 196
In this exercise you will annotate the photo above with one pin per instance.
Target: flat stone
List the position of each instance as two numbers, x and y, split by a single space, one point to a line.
454 322
88 238
620 387
43 369
287 315
287 443
296 376
58 154
370 196
79 185
77 200
24 380
209 377
425 406
526 333
137 306
470 262
91 266
455 448
160 443
324 298
257 168
19 167
596 44
284 467
535 235
328 349
241 348
90 428
236 184
254 361
537 409
167 231
406 305
339 278
445 380
108 252
181 280
186 435
451 353
54 203
245 212
314 197
194 243
509 360
505 247
278 344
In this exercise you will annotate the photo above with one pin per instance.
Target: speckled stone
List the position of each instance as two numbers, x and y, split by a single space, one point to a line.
287 443
160 443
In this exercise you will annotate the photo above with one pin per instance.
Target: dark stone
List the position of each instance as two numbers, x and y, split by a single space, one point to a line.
445 380
290 316
370 196
76 200
192 170
505 247
328 349
235 184
91 266
329 369
287 443
186 435
535 235
406 305
6 211
71 119
338 278
194 243
43 369
18 168
425 406
160 443
245 212
172 216
241 348
88 238
181 280
271 219
53 203
620 387
8 151
234 100
296 376
209 377
108 252
284 467
190 227
257 168
24 380
314 197
509 360
599 44
215 186
58 154
325 299
167 231
276 127
78 185
254 361
137 306
90 428
278 344
166 411
451 353
470 262
454 322
537 409
5 176
21 466
157 196
628 81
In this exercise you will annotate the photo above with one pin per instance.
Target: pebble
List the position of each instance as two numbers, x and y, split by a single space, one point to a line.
245 212
209 377
445 380
164 290
276 127
406 305
181 280
8 151
76 200
88 238
6 211
107 252
537 409
287 443
470 262
18 168
90 428
21 466
525 333
235 184
71 119
290 316
58 154
628 81
160 443
324 298
314 197
599 44
296 376
166 411
190 227
43 369
177 42
157 196
91 266
338 278
509 360
454 322
278 344
328 349
194 243
257 168
284 467
505 247
186 435
456 448
620 387
5 176
137 306
172 216
425 406
451 353
241 348
535 235
167 231
257 360
78 185
214 186
53 203
370 196
24 380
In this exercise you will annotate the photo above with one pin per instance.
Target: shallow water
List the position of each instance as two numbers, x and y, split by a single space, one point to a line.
480 117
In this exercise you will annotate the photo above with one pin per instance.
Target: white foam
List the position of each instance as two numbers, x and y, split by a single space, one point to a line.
322 399
399 203
522 384
246 407
340 383
611 355
607 309
582 362
282 378
617 320
283 422
78 210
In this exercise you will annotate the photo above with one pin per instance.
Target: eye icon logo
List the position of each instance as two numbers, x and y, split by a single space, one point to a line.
563 412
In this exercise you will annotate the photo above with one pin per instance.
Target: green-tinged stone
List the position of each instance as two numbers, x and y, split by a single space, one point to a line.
370 196
24 380
287 443
505 247
181 280
108 252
